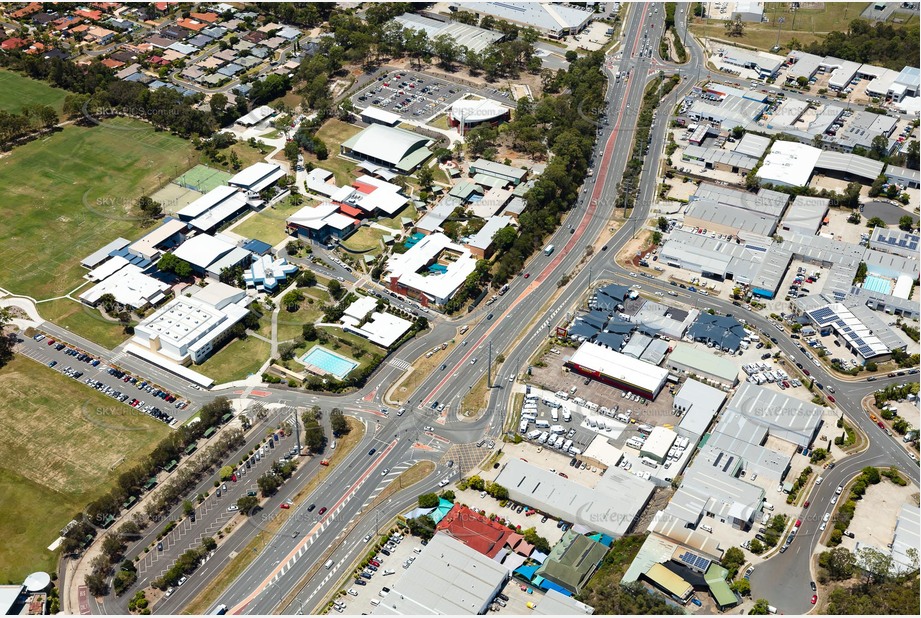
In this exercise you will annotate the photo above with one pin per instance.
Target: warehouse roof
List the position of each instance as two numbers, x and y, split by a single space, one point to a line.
448 578
735 218
483 238
473 38
718 156
766 201
777 410
477 110
806 214
541 16
618 366
572 561
660 440
617 493
789 163
752 145
669 581
700 404
695 358
847 163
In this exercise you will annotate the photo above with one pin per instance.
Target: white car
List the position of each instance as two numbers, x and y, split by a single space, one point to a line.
233 507
352 592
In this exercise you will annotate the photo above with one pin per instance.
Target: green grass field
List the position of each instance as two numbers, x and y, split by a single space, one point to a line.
366 239
84 321
394 222
809 26
61 445
16 91
269 223
290 324
68 195
236 360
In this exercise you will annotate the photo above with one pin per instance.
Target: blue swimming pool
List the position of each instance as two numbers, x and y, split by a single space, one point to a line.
877 284
328 362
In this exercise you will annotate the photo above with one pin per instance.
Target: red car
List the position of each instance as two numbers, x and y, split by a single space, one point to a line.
526 275
815 598
234 478
375 563
51 342
563 475
285 505
321 511
806 504
806 371
880 425
831 399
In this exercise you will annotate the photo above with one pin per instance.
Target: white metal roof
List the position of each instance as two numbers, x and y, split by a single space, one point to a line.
618 366
257 176
381 115
789 163
207 201
202 250
406 267
385 143
477 110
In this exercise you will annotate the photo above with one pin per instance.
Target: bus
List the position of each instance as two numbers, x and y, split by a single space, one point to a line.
548 250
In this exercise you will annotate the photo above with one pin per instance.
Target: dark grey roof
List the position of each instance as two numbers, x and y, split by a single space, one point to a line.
724 331
610 340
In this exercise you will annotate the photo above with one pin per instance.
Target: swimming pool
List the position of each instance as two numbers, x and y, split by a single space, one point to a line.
877 284
328 362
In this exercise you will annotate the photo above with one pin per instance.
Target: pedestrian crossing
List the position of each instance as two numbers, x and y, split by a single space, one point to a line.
400 363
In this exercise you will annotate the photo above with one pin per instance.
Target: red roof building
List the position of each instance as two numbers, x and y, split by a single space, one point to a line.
364 187
32 7
91 15
13 43
205 17
482 534
191 24
112 63
351 211
106 6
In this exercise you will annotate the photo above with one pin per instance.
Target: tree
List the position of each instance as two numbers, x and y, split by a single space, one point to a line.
187 508
838 562
851 197
292 151
876 565
292 300
876 222
151 208
314 436
309 332
760 608
425 176
741 586
268 484
6 342
335 289
428 501
906 223
226 473
306 279
422 527
170 263
662 224
113 547
732 560
879 147
247 504
338 422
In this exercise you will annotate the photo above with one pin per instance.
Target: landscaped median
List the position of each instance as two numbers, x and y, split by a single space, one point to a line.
246 555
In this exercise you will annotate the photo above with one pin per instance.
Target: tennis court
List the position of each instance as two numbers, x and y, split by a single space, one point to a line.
174 197
202 178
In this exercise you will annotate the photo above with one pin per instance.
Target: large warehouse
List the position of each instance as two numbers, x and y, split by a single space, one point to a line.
605 365
686 358
448 578
787 418
395 148
611 508
553 19
474 38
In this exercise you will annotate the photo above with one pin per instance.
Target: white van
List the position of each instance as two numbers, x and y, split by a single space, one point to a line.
543 424
567 416
375 602
329 564
768 506
333 445
706 528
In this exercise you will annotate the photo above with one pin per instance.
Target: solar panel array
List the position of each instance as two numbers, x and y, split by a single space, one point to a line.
905 241
825 316
694 561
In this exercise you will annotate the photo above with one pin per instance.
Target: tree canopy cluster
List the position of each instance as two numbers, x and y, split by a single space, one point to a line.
881 44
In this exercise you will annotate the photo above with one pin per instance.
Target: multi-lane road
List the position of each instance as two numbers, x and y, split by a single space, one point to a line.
291 563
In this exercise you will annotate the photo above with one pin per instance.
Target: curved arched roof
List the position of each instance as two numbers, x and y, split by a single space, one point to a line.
386 143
